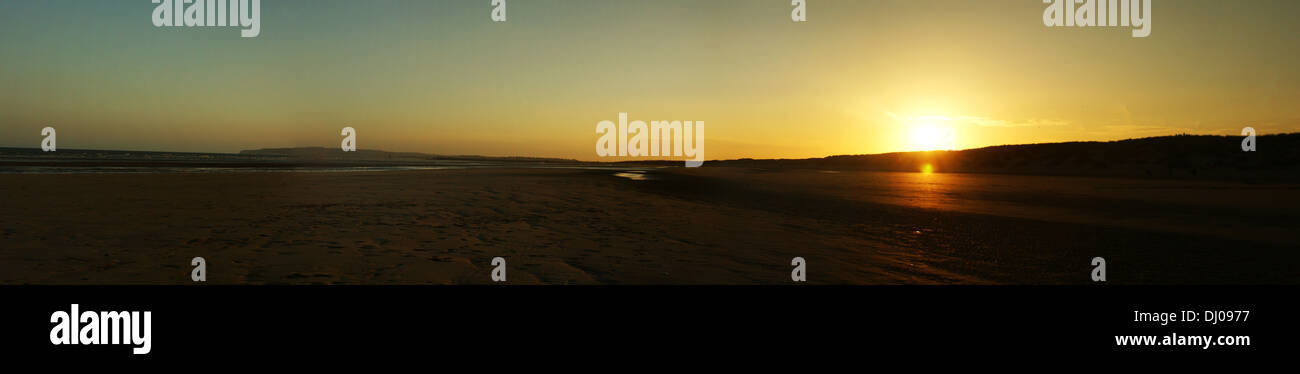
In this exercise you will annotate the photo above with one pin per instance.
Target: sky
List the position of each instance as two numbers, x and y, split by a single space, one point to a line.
858 77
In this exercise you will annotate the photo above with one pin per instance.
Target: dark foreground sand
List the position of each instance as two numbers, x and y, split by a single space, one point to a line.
683 226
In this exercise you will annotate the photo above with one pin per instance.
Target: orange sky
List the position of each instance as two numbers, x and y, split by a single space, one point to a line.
440 77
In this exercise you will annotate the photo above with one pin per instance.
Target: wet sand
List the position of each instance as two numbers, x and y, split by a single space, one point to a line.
679 226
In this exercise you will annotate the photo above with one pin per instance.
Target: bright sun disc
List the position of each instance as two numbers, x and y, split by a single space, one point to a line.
932 138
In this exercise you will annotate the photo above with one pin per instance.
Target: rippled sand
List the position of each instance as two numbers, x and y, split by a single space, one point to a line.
676 226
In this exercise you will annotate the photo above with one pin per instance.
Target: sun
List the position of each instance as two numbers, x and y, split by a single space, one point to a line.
932 137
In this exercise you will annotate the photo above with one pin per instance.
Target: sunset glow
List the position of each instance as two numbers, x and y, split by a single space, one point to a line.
440 77
932 137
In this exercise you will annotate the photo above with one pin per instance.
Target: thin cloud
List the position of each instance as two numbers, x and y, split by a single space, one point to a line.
978 121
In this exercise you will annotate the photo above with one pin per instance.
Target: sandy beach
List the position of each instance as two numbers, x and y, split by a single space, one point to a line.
679 226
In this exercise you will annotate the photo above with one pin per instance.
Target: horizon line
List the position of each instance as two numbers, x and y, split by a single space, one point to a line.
632 159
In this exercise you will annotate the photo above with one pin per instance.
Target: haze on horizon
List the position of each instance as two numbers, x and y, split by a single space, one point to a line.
440 77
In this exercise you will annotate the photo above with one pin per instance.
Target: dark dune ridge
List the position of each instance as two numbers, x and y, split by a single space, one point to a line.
1277 158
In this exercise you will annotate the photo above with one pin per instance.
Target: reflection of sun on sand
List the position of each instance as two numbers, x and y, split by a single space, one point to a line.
926 189
635 175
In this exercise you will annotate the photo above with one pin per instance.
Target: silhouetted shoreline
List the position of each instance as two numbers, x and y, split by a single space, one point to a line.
1191 157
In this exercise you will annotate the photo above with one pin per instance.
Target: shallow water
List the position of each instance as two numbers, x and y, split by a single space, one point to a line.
635 175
